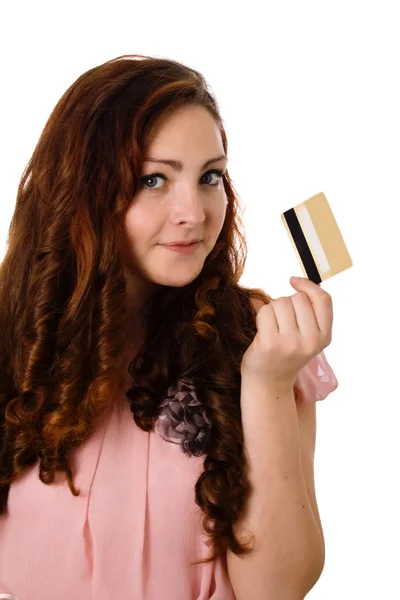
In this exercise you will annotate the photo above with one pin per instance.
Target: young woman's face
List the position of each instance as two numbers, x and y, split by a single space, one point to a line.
176 205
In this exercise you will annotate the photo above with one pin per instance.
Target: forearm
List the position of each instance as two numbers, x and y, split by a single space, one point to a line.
287 555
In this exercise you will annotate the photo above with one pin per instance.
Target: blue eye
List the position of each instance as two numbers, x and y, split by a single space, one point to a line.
217 172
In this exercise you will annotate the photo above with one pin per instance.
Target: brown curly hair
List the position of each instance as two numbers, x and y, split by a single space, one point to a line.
62 291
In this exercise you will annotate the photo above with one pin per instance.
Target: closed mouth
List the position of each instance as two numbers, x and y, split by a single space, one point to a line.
191 244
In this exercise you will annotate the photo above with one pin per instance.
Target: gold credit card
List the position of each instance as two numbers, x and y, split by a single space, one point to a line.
316 238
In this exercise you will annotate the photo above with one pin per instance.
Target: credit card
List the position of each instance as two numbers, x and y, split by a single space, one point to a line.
316 239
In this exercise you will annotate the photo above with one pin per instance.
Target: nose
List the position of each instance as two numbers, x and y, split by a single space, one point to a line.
189 207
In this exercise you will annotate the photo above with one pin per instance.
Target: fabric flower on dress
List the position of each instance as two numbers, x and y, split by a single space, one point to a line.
183 419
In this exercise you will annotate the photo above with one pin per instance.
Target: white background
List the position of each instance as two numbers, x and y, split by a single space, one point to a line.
309 92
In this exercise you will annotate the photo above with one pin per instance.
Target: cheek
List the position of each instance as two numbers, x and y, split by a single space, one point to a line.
219 219
137 225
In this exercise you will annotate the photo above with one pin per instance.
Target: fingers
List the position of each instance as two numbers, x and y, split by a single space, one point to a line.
295 315
306 318
321 303
285 315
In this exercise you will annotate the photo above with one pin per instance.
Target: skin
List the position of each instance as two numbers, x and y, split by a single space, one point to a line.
291 331
184 205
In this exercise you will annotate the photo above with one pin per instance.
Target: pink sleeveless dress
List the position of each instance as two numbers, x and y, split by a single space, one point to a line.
134 528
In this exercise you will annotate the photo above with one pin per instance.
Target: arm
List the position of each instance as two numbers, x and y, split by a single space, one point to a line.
307 422
281 513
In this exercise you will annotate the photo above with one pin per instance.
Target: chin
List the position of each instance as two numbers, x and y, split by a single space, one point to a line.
177 281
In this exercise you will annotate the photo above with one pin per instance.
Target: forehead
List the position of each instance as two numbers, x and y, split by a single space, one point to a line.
185 126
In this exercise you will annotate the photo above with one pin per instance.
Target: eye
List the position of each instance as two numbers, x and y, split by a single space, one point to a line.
220 174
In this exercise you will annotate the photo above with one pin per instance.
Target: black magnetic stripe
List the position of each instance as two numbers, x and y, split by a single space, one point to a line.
301 245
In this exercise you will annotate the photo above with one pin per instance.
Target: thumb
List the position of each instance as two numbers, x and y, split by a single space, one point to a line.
302 283
296 281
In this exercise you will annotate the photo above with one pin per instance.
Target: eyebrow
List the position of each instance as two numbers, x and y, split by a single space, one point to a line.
178 166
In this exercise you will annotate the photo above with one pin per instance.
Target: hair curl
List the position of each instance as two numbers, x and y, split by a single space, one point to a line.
62 292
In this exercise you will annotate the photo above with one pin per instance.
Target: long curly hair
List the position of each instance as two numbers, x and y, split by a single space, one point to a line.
63 319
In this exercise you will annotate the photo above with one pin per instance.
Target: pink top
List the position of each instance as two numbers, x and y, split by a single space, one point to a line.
135 525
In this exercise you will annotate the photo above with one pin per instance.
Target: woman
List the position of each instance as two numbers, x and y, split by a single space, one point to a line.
152 409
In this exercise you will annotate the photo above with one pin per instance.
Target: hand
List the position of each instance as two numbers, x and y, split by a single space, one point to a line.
290 332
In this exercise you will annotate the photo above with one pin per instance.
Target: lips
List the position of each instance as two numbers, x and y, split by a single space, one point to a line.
183 248
182 243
